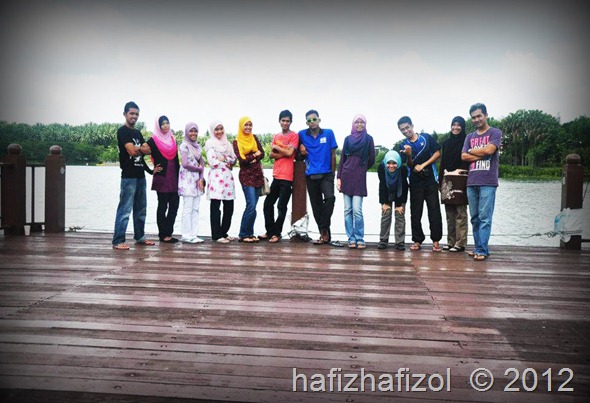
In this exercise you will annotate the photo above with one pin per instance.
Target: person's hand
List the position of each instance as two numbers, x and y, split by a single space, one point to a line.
399 210
385 207
221 158
408 150
158 168
418 167
257 153
200 184
338 184
303 150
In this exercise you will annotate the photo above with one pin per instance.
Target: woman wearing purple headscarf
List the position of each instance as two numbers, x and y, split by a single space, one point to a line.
358 155
190 183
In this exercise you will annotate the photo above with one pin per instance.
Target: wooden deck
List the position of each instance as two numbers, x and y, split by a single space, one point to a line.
81 322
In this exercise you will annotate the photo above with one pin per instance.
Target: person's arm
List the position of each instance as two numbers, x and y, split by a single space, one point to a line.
432 159
371 160
185 164
476 154
277 151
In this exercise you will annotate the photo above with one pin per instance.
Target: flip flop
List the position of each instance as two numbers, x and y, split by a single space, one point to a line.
263 237
146 242
274 239
361 246
121 246
480 258
336 244
416 246
436 248
247 239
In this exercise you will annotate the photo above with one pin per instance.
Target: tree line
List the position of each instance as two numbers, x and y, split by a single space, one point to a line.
531 138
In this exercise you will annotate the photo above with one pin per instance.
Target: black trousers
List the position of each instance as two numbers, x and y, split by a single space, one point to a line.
280 190
322 199
419 195
166 214
219 226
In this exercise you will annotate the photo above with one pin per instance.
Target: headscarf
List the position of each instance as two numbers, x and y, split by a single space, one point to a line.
394 179
358 142
193 146
165 142
451 157
246 142
221 145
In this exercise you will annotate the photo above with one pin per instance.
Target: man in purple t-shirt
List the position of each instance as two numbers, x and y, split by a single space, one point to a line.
481 150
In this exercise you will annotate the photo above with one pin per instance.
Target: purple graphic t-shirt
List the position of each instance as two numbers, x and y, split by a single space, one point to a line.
484 172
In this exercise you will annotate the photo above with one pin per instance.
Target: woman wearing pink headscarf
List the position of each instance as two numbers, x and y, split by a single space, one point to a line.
165 182
358 155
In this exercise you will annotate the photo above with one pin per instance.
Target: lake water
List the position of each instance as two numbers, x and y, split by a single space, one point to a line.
523 209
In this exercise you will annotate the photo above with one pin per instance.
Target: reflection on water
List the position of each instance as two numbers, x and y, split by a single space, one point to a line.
522 208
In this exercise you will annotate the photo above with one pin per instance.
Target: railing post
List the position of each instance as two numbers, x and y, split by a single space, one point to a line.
14 181
55 191
572 184
299 200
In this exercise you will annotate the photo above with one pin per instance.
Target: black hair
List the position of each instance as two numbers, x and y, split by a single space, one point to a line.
130 105
163 119
477 106
312 112
286 114
404 119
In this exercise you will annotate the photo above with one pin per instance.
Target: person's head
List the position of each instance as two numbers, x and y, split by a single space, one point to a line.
285 119
216 129
392 160
406 126
359 124
131 113
164 124
458 125
312 118
479 115
245 126
191 131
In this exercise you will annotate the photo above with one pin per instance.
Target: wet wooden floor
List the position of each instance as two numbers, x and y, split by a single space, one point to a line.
238 322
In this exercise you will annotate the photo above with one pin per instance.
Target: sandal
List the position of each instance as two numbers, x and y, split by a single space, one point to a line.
263 237
247 239
361 246
472 253
480 258
352 245
121 246
274 238
436 247
145 242
416 246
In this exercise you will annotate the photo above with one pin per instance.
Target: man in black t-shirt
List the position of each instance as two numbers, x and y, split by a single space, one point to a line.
132 148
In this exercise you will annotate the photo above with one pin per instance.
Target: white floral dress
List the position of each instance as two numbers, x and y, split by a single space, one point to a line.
220 185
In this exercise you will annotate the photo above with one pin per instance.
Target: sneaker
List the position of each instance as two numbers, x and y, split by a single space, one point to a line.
196 240
186 240
400 247
222 240
381 245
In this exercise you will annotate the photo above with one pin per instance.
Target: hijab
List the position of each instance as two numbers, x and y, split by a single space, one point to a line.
451 158
358 142
193 146
246 142
220 145
165 142
394 179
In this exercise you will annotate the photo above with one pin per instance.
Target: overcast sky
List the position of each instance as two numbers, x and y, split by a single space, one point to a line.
80 61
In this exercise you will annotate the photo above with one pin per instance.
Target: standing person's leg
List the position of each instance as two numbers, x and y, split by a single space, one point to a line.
173 203
348 220
215 219
126 202
473 198
139 210
487 199
450 212
385 227
327 190
461 227
416 208
161 215
269 207
434 216
285 190
358 222
228 212
186 223
400 231
315 199
249 216
195 216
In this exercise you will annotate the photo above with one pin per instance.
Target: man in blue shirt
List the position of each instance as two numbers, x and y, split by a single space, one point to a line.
318 146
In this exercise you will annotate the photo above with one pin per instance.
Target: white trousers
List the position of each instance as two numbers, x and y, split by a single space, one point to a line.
190 216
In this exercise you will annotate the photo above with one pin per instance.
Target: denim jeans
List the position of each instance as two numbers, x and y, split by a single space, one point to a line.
481 207
249 216
132 196
353 219
280 190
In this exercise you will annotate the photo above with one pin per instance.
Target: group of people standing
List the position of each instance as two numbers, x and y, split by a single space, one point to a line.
468 175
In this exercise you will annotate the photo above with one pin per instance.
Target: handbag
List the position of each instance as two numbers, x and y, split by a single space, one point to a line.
453 189
265 189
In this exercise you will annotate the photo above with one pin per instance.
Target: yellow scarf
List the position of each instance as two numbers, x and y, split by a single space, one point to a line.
246 142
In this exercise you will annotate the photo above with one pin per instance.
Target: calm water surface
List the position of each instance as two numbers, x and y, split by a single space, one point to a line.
523 209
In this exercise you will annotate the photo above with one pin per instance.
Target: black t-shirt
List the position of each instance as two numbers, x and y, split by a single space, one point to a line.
131 167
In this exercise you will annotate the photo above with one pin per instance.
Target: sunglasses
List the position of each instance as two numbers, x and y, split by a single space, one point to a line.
312 120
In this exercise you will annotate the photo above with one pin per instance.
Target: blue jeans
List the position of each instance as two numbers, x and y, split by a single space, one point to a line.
481 207
353 219
132 196
249 216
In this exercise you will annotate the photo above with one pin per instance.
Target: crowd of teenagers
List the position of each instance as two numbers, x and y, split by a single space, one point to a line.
468 177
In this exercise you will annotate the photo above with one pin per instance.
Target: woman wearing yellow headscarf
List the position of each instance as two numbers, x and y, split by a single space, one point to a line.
249 152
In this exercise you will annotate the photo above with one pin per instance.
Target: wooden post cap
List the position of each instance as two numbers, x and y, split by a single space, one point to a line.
55 150
15 149
573 159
